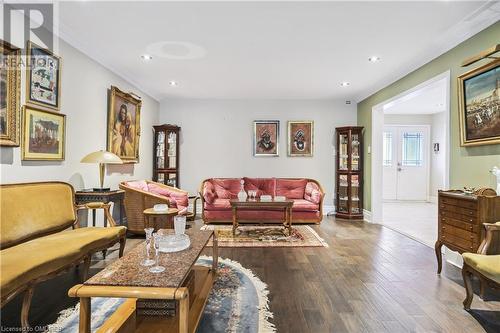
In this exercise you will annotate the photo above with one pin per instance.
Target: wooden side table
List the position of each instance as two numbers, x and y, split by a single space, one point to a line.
88 195
150 213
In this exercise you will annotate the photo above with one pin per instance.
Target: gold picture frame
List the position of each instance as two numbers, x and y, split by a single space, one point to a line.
10 90
43 77
43 135
301 138
124 126
479 105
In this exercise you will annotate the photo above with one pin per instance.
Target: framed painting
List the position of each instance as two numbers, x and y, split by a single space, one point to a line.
124 125
300 138
43 77
479 105
10 86
43 135
266 137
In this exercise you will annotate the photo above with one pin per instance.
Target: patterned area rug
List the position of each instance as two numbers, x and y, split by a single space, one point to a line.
266 236
237 303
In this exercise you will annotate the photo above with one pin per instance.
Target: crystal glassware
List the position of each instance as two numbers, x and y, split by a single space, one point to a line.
156 268
180 224
149 235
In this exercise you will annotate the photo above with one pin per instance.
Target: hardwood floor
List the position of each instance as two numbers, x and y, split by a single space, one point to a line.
370 279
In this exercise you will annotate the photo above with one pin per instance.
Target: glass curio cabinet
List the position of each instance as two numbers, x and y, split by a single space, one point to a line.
166 154
349 172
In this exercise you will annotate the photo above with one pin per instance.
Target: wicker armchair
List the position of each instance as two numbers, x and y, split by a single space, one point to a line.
137 200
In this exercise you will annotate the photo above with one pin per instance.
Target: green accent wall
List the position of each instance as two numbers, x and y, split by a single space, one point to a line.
468 166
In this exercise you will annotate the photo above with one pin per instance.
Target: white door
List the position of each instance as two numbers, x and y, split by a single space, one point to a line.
406 162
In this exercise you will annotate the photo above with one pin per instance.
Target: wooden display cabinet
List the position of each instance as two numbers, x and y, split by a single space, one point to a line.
166 154
349 172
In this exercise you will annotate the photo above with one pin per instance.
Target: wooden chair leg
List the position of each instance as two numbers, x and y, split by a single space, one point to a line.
466 274
28 295
122 246
86 267
481 288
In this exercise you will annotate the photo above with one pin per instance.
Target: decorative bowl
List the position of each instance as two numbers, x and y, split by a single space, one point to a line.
160 207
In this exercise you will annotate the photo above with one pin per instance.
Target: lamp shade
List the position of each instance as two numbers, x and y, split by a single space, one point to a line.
102 156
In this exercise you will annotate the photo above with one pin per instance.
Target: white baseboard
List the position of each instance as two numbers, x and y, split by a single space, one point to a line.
367 216
328 209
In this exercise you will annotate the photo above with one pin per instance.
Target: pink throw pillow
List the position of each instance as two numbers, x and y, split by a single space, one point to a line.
209 192
156 189
140 185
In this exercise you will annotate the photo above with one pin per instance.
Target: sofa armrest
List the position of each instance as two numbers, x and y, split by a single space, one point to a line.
485 244
96 205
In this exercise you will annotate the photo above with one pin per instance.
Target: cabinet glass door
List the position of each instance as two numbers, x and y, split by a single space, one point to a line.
343 151
160 150
172 150
343 194
355 199
355 152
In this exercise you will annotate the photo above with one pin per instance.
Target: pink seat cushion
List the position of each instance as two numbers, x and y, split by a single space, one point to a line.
291 188
302 205
218 204
263 186
226 188
312 193
139 184
178 200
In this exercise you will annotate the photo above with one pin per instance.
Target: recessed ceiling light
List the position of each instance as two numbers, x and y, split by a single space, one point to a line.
374 59
345 84
173 83
146 57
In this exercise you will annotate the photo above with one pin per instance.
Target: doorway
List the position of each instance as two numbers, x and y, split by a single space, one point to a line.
410 149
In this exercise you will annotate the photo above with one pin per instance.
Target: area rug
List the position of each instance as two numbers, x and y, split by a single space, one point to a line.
266 236
238 302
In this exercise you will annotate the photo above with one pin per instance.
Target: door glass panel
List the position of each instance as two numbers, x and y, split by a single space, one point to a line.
172 145
412 146
344 140
343 193
355 152
355 208
160 149
161 178
172 180
387 147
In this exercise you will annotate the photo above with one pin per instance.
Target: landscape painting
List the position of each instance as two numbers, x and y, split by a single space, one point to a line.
480 105
300 138
265 137
43 135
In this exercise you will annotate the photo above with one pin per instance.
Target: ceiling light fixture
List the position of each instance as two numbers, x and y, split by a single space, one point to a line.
345 84
374 59
146 57
173 83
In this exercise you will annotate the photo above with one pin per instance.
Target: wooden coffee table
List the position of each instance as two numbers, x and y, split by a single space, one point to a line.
256 204
126 278
150 213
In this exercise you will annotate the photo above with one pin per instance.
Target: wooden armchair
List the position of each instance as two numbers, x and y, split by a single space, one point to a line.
485 267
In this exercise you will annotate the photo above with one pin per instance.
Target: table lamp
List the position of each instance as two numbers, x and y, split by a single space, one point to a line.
102 157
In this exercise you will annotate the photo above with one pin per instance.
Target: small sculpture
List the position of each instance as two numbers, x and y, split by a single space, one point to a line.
496 172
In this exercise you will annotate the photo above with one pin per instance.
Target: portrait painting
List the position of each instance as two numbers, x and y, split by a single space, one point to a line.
43 77
479 105
10 85
43 135
265 137
124 125
300 138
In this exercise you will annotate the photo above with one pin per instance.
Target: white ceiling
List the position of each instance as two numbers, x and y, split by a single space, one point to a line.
426 100
269 50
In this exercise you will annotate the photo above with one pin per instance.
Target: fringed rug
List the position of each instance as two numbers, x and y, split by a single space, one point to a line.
266 236
238 302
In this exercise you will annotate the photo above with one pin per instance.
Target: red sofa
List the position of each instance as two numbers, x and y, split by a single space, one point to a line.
307 194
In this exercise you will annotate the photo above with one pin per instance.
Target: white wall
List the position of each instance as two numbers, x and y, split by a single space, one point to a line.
216 139
438 160
84 102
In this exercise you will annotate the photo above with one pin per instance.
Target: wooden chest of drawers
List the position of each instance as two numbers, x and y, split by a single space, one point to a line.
460 220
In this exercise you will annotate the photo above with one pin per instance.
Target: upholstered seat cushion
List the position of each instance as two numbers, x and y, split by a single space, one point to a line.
218 204
38 257
301 205
488 265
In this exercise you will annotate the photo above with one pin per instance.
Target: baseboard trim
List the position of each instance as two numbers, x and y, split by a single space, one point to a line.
367 216
328 210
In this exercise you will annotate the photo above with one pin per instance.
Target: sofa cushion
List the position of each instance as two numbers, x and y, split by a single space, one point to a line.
139 184
209 192
38 257
302 205
226 188
291 188
488 265
178 199
312 192
218 204
263 186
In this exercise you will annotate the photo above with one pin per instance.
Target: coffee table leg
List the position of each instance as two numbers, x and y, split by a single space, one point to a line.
84 326
184 314
215 252
235 221
289 221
